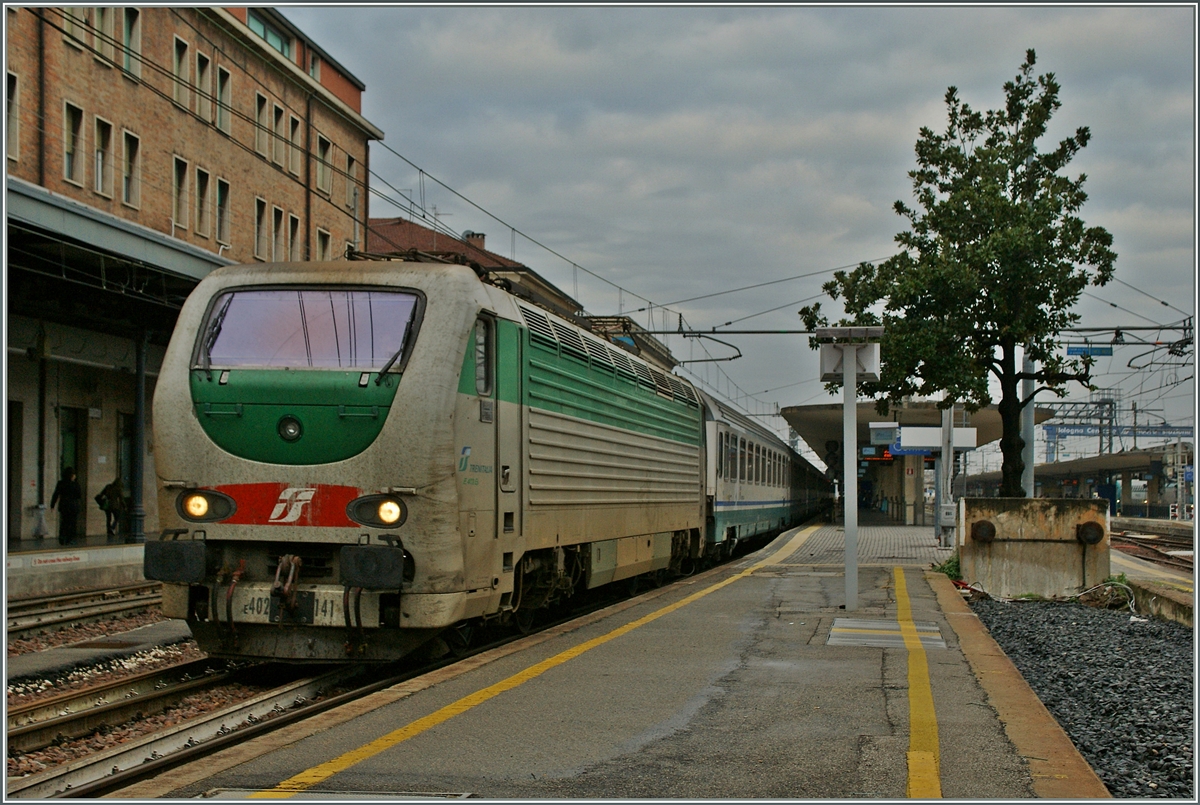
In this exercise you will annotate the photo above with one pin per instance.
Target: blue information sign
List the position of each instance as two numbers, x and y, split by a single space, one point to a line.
1089 350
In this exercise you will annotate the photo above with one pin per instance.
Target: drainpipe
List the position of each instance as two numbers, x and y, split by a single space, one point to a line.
138 515
41 128
308 127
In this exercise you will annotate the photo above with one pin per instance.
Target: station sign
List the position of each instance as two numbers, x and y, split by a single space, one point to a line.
1147 431
1088 349
931 438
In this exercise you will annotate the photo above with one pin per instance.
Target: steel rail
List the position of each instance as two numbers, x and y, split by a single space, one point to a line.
81 614
59 600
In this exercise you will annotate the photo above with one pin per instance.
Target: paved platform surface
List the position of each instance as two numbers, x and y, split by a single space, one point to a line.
723 686
57 661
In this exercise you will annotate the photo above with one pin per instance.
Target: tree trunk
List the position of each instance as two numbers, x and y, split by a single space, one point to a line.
1011 443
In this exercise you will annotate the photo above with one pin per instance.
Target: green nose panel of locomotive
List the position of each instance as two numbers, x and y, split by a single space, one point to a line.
290 416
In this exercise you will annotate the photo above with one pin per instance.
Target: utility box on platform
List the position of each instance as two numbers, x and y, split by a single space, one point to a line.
1052 547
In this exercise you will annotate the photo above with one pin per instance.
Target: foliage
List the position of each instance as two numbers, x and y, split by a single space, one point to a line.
950 567
994 260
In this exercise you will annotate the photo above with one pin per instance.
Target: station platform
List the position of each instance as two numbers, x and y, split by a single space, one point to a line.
744 681
35 567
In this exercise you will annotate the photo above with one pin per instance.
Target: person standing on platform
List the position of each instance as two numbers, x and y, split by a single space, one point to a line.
111 501
67 490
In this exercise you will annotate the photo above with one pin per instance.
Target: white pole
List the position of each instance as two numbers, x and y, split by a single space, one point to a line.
947 468
1027 428
850 469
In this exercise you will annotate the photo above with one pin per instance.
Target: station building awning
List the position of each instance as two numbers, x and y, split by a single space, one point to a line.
818 424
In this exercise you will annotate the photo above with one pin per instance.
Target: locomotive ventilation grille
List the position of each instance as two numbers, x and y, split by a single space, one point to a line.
586 347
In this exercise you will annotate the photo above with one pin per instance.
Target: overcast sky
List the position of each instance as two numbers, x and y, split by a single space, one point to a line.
678 152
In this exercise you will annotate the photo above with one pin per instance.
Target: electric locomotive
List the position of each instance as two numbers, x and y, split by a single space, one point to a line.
357 457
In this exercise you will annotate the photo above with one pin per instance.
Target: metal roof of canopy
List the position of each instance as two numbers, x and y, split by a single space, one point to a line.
818 424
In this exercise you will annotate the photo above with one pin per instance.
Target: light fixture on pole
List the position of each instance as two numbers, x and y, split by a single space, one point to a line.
851 355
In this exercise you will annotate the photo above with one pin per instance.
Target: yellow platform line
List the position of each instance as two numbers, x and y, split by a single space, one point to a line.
924 774
318 774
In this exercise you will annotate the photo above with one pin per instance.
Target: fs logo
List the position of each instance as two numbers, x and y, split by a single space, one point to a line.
291 504
462 462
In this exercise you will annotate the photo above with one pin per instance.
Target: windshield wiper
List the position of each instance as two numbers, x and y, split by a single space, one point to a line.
210 336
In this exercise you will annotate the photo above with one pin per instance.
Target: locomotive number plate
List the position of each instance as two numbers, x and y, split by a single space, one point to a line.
321 607
273 607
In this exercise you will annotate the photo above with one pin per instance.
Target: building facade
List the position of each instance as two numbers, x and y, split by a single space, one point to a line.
145 147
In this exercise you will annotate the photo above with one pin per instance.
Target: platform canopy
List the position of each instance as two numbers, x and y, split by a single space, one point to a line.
818 424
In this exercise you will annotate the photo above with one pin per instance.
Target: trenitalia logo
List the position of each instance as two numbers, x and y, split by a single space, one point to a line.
462 462
291 504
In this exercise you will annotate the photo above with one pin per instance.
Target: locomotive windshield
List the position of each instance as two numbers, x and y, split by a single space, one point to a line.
321 329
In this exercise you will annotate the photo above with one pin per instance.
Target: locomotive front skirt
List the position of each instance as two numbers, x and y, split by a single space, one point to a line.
356 457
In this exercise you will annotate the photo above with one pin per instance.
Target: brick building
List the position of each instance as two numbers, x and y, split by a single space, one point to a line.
145 147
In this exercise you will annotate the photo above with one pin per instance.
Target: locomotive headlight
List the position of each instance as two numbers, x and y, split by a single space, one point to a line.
196 506
289 428
379 511
204 505
389 511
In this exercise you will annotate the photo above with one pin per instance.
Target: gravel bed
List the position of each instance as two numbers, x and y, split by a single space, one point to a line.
49 638
1121 686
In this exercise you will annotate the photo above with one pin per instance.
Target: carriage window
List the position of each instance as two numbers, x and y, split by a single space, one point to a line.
483 357
741 459
320 329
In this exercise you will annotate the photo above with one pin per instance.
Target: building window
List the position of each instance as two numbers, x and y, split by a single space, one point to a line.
293 238
260 229
273 36
73 143
204 100
182 70
261 126
278 233
223 212
314 66
131 171
76 20
351 182
280 155
324 168
12 126
104 157
131 42
224 100
294 148
179 194
102 33
323 244
201 202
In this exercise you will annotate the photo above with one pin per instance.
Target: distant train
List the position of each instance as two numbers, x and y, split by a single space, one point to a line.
357 457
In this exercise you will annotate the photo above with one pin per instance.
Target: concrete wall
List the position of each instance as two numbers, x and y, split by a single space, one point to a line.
1034 549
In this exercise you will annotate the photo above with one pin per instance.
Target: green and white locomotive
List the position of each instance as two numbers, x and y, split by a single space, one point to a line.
356 457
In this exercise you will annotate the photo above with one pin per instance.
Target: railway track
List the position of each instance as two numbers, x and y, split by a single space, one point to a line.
60 611
112 768
73 714
1155 548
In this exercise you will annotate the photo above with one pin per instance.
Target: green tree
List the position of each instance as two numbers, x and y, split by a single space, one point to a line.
995 258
